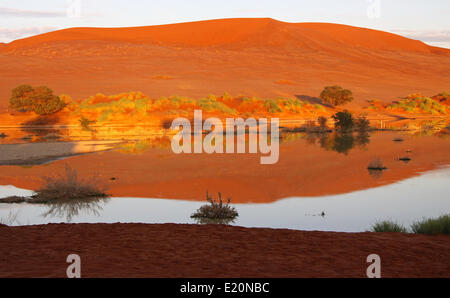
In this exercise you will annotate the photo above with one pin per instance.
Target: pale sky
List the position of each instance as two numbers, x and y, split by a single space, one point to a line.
426 20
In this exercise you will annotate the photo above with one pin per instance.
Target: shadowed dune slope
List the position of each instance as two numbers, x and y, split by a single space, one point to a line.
239 56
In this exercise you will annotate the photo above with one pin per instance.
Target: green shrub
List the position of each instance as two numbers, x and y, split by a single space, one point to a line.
104 116
211 105
292 105
418 103
440 225
272 106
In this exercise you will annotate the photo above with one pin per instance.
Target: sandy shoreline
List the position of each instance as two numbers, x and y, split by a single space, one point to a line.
36 153
169 250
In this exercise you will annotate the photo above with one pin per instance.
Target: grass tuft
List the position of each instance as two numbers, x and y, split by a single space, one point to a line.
388 227
432 226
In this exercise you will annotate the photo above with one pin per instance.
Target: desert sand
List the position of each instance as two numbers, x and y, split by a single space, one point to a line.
138 250
254 57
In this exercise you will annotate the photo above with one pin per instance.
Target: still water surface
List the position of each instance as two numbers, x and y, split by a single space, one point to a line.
427 195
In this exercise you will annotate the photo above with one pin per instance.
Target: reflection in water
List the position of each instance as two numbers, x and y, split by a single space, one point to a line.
405 160
71 208
404 202
362 139
215 221
42 127
339 142
376 174
138 147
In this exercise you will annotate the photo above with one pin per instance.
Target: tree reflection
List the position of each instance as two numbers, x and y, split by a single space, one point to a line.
69 209
343 142
376 174
362 139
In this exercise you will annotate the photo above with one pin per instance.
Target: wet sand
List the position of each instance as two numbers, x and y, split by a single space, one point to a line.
38 153
138 250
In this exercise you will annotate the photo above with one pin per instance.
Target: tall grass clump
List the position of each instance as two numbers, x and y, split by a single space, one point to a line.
417 103
388 226
273 106
432 226
216 211
69 186
210 104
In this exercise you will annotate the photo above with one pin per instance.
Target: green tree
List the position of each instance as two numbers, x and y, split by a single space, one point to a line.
40 100
343 121
336 95
21 98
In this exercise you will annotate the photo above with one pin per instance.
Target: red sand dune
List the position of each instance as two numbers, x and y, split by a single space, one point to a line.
249 32
239 56
137 250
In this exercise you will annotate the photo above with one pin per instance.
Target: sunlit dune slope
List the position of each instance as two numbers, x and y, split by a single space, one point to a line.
249 32
239 56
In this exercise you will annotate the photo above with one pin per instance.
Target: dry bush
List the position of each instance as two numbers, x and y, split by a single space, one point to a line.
216 211
69 186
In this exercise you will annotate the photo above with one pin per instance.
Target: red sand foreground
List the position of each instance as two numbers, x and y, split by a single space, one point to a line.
138 250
